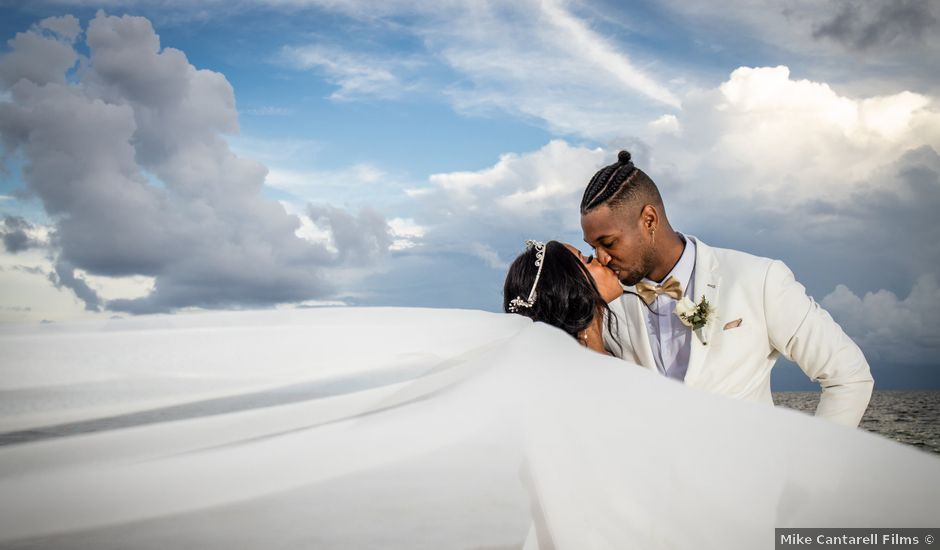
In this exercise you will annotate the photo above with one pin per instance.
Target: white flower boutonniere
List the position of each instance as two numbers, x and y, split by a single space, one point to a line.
695 316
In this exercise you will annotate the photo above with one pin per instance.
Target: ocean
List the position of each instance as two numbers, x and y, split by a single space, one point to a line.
910 417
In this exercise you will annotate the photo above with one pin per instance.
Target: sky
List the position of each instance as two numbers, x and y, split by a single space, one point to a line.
171 156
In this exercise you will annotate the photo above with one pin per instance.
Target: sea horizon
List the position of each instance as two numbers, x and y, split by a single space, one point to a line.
906 416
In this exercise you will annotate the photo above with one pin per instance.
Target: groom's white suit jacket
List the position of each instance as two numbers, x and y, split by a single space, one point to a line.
776 317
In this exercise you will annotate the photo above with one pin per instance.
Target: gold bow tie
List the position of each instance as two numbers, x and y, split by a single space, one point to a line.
670 287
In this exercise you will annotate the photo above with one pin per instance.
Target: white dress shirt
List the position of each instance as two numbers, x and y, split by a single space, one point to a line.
670 340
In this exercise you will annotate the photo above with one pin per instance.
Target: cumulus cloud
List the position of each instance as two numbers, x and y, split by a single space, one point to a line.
782 138
887 327
520 194
790 145
204 232
45 54
357 239
842 188
66 26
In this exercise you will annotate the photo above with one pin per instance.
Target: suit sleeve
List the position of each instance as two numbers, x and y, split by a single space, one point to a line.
805 333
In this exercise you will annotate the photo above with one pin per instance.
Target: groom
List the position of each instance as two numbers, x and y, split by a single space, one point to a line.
759 311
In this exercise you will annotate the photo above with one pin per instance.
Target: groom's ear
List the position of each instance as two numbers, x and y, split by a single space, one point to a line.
649 217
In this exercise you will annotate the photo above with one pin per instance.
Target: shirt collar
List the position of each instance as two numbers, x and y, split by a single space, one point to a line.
682 271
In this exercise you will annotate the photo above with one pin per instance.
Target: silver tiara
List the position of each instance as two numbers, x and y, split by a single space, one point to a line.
518 303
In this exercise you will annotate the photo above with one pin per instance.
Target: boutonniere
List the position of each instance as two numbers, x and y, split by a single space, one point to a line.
695 316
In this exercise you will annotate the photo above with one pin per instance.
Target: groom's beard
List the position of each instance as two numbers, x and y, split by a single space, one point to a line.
631 278
635 275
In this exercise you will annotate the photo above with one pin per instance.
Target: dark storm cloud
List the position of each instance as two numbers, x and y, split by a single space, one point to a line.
862 25
15 231
134 111
64 276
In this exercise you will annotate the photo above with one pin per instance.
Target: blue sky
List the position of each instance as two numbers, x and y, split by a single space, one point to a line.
398 153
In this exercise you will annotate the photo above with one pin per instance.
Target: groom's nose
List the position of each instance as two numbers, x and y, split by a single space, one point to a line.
602 256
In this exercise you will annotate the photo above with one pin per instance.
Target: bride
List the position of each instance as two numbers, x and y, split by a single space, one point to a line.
554 283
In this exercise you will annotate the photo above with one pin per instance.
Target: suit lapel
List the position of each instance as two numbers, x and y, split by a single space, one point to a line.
707 284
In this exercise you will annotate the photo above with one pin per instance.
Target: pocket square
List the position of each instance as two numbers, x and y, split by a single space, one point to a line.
732 324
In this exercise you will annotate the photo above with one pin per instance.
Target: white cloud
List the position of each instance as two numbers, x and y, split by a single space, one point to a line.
666 124
489 255
307 183
356 74
535 59
415 192
406 233
540 60
889 328
206 237
770 93
520 187
891 117
314 233
762 133
308 230
605 56
67 26
282 151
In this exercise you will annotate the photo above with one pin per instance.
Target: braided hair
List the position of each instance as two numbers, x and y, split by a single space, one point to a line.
618 183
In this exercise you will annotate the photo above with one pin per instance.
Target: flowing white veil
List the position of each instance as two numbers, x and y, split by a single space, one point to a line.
406 428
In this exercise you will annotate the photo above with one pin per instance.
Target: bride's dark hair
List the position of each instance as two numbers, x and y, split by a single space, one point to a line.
566 295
